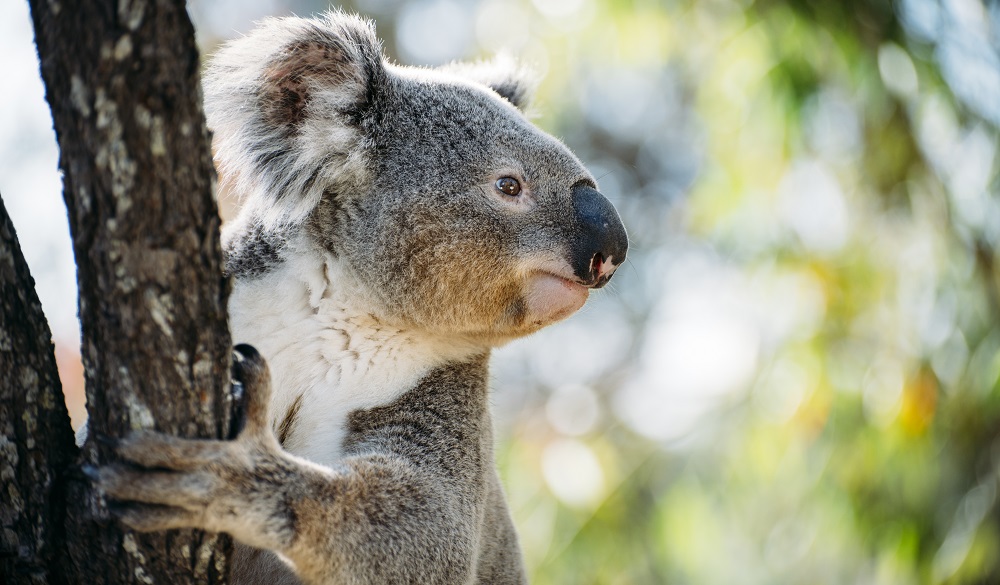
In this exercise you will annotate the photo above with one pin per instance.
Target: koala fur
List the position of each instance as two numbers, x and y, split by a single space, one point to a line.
398 223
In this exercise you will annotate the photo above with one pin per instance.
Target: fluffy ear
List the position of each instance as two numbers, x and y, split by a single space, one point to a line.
513 81
289 105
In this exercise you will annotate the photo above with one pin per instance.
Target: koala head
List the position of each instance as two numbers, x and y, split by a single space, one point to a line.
452 211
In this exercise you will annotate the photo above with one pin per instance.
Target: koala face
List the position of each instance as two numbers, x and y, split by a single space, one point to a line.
455 213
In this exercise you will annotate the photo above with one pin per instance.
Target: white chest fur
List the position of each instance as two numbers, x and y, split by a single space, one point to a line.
327 353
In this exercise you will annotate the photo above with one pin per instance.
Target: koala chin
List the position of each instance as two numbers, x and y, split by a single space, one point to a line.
397 224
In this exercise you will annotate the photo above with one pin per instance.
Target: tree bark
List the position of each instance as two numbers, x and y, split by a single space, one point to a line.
36 443
122 81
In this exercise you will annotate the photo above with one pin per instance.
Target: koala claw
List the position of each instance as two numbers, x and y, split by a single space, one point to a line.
251 391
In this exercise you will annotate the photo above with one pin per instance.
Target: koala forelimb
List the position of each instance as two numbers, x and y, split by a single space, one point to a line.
376 514
398 223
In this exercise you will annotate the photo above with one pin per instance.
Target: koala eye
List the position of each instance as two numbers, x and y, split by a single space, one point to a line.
508 186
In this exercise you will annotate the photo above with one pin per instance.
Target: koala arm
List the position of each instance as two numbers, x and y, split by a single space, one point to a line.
379 516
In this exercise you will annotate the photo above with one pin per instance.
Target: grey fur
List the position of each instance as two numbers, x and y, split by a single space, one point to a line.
380 182
253 251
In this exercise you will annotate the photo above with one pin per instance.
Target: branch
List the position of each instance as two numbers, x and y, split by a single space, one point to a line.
36 441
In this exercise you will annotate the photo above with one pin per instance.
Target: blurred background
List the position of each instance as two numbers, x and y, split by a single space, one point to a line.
794 379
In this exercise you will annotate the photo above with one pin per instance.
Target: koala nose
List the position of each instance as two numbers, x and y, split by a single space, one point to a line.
599 242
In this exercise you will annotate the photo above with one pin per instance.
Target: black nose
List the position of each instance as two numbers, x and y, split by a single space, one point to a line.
599 242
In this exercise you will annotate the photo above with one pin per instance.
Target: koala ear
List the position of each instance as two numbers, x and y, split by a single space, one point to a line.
512 80
290 105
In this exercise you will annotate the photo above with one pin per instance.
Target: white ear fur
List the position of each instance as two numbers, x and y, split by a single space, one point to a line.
503 74
285 104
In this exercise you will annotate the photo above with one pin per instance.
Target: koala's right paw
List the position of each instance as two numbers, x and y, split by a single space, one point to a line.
167 482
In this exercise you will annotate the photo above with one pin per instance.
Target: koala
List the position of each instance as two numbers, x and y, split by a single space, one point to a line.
398 224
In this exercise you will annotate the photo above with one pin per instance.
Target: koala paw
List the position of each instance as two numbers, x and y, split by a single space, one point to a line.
165 482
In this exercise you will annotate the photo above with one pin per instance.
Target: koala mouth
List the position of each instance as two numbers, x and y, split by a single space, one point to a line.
550 297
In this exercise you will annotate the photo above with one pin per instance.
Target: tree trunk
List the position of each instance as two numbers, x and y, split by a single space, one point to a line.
122 82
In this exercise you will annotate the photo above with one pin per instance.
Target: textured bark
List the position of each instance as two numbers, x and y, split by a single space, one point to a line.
123 85
36 442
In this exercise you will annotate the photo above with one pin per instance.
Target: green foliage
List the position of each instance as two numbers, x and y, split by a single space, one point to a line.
864 446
